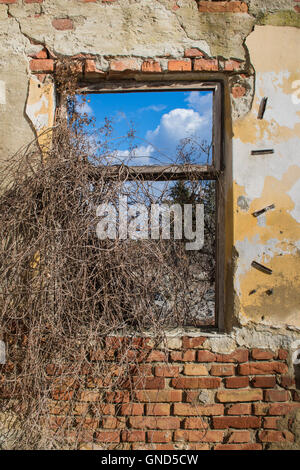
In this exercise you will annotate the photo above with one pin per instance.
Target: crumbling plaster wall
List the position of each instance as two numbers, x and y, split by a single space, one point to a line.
256 47
259 181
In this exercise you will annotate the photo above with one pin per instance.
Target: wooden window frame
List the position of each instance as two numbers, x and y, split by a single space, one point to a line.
172 172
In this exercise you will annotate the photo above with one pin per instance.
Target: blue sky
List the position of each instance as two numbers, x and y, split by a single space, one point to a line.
159 120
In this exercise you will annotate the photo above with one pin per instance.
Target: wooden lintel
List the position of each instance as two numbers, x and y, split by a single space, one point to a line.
155 172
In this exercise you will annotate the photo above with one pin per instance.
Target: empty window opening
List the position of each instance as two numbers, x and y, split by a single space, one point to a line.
160 151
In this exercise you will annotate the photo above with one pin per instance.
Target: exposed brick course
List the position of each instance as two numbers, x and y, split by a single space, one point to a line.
192 396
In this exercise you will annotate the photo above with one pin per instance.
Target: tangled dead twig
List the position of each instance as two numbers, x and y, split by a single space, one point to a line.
64 293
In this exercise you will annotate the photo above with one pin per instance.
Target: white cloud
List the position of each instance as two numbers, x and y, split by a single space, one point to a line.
176 125
200 102
84 108
138 156
155 107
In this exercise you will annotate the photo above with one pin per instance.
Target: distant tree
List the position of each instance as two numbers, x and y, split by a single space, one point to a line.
198 192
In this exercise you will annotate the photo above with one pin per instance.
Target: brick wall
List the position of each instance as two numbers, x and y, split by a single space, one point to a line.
185 396
44 64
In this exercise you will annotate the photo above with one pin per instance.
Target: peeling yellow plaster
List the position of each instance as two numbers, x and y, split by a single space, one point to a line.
274 48
272 239
40 108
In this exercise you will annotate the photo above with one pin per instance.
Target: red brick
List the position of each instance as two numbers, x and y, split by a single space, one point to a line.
248 446
141 369
158 409
275 436
206 65
186 409
144 383
190 342
159 436
42 65
124 64
75 435
87 422
153 446
232 65
239 409
287 381
240 355
90 67
237 437
222 7
89 395
103 409
57 422
8 1
80 408
52 369
184 65
167 396
166 371
195 423
138 342
151 66
283 354
110 422
114 342
147 422
276 395
262 354
282 408
57 408
193 52
157 356
236 382
107 436
93 382
186 356
132 409
199 446
42 54
119 396
226 396
221 370
192 396
101 354
34 1
270 422
263 382
133 436
206 356
239 422
195 369
198 436
196 382
62 24
261 409
262 368
238 91
61 394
